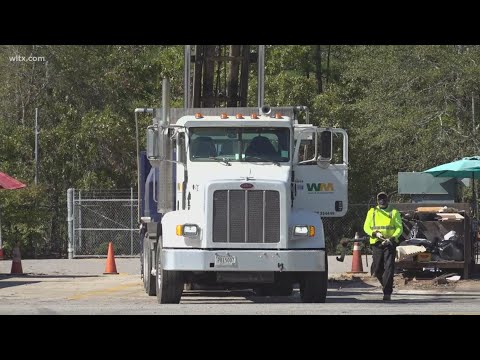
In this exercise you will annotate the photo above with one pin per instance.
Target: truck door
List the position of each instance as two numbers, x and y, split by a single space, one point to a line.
320 166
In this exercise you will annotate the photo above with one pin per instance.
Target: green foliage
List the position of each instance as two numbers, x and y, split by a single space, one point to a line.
406 108
25 220
86 96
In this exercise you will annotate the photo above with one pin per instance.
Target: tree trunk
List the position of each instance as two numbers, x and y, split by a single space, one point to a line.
197 75
208 75
244 75
328 65
318 68
233 76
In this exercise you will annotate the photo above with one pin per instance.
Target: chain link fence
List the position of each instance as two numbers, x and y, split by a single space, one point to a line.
97 217
336 229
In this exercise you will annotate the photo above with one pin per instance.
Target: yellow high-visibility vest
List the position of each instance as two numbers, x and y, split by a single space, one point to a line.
387 221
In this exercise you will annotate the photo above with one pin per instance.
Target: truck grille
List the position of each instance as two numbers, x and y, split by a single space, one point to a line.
246 216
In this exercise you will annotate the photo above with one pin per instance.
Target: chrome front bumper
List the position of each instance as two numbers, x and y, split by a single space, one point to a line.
243 260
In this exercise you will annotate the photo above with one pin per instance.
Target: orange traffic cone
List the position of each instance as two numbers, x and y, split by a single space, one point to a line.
17 261
110 267
357 266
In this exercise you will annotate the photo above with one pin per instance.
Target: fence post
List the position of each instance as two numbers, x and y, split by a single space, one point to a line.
70 193
80 225
131 221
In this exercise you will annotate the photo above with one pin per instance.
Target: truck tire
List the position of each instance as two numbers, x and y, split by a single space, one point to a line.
314 285
169 283
148 278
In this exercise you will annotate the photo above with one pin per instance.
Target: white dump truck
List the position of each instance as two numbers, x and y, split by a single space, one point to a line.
235 195
239 196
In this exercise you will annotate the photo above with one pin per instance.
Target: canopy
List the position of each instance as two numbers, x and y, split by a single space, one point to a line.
468 167
9 183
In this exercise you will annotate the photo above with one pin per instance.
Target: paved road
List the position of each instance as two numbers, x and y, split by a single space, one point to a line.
123 294
79 287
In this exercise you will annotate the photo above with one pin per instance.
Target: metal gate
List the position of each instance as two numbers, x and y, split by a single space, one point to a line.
97 217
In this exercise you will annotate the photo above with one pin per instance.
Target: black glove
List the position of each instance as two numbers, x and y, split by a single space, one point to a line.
389 242
386 242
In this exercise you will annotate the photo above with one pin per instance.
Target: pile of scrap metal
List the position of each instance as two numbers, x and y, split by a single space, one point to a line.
420 245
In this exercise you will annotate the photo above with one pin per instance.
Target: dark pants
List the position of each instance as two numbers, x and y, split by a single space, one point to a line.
383 266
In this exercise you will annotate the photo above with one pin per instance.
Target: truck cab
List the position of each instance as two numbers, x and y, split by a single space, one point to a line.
241 199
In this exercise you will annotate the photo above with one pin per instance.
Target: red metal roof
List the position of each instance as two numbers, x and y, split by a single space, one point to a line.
7 182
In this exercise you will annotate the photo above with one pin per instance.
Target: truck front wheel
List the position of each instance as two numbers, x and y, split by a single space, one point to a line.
313 287
169 283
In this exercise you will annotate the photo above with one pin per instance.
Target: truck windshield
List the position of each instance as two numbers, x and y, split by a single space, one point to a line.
263 144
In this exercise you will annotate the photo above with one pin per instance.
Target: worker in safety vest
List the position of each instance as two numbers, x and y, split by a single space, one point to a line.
384 225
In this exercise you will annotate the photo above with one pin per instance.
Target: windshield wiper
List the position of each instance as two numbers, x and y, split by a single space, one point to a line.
258 158
221 160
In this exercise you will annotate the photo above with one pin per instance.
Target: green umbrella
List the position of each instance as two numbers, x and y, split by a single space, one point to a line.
468 167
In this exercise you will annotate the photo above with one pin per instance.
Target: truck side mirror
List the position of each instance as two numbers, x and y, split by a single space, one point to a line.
157 141
180 137
153 151
326 145
163 144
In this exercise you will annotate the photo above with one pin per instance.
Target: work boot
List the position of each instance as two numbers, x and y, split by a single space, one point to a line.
387 297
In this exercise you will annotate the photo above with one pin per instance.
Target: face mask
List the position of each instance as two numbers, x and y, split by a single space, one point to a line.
383 203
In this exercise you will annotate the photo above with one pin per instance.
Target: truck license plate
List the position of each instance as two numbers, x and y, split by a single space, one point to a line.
225 260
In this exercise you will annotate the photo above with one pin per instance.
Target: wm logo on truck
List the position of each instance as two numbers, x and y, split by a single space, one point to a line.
320 187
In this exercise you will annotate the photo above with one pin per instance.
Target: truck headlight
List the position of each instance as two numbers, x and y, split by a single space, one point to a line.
304 230
188 230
